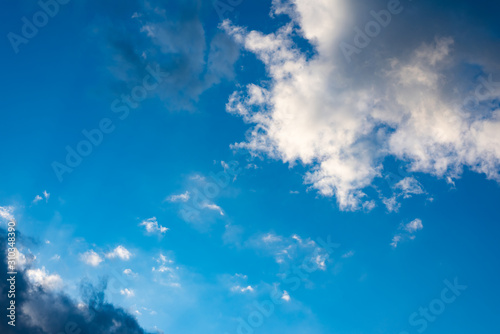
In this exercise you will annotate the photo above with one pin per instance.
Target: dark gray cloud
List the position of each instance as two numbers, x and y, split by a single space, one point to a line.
195 54
44 312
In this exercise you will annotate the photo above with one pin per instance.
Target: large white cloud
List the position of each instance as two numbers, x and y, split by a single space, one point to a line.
314 112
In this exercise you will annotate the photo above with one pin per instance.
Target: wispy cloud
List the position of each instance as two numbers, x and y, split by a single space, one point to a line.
213 206
409 231
38 198
178 198
348 254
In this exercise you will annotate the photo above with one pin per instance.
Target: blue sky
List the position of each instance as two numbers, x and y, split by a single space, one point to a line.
321 166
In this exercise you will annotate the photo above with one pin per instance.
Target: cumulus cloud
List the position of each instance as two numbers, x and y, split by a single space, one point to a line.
127 293
286 296
119 252
414 226
41 278
91 258
129 272
152 226
342 122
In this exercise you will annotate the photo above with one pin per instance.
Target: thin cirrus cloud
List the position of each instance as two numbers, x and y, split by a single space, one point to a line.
351 117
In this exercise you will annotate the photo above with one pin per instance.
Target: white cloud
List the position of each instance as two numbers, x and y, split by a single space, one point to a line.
240 289
212 206
6 212
392 204
369 205
410 186
409 231
286 296
37 199
91 258
41 278
152 226
24 260
348 254
129 272
119 252
127 293
414 226
56 257
237 283
179 198
349 125
163 261
395 240
167 272
270 237
291 250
